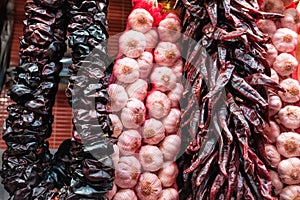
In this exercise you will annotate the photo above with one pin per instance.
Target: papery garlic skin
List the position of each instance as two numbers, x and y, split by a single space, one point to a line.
132 43
172 121
117 124
289 171
133 115
170 147
115 157
291 192
151 158
151 39
149 187
169 194
168 174
291 19
169 30
111 193
276 182
285 64
175 95
272 131
163 79
125 194
272 53
137 89
275 104
145 62
289 116
118 97
274 76
158 104
288 144
127 172
178 69
272 6
129 142
292 87
272 155
166 54
285 40
140 20
126 70
266 26
153 131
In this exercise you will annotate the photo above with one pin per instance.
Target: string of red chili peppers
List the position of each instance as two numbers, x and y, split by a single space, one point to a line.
229 75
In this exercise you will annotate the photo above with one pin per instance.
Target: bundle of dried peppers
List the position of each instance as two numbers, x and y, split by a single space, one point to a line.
229 75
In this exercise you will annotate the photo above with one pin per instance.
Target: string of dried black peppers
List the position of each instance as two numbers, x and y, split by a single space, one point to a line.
28 170
28 125
225 159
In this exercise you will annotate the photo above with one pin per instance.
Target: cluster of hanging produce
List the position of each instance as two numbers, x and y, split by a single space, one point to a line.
145 91
28 170
29 120
283 139
227 158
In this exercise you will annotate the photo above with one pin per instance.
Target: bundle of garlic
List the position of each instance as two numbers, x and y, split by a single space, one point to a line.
283 150
145 90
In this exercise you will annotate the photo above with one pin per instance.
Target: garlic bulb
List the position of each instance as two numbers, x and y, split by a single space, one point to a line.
148 187
272 53
140 20
166 54
175 95
126 70
291 19
145 62
118 97
266 26
163 79
132 43
276 182
285 40
289 116
169 29
169 194
289 171
170 147
125 194
111 193
151 158
133 115
292 87
178 69
285 64
117 124
272 131
127 172
151 39
288 144
290 192
172 121
153 131
158 104
129 142
137 89
272 6
168 174
272 155
275 104
274 76
115 157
